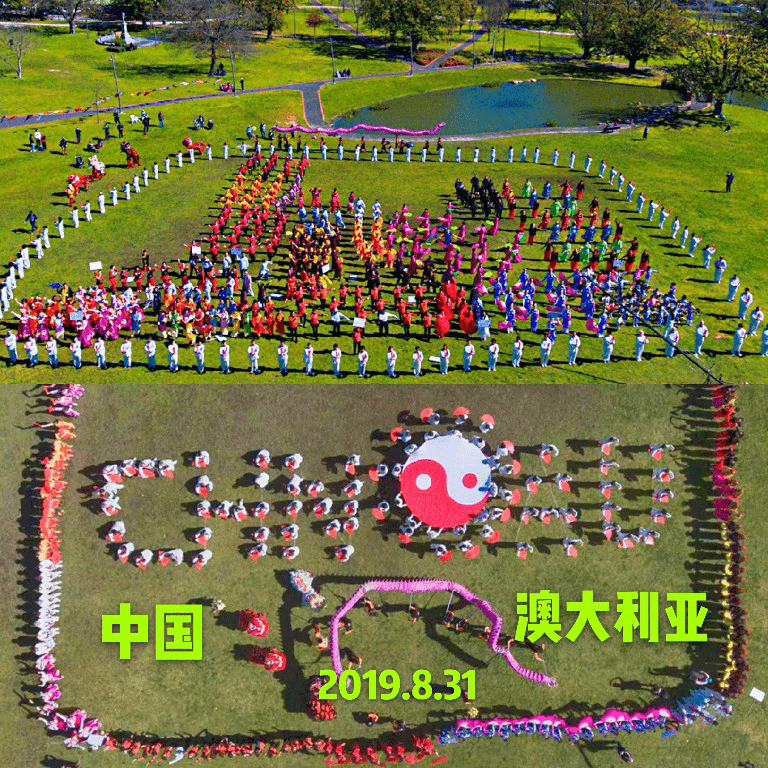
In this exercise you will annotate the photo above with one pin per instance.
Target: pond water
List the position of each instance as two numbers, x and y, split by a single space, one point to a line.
747 100
511 106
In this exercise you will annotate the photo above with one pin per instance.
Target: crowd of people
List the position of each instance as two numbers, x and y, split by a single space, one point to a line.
701 705
77 727
726 504
114 476
434 278
505 493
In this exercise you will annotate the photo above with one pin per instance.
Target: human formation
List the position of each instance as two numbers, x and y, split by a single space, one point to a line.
277 266
706 702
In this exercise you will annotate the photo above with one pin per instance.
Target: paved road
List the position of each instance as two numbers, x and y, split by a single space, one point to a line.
476 35
313 108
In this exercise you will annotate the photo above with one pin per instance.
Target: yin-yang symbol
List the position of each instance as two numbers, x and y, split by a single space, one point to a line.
445 482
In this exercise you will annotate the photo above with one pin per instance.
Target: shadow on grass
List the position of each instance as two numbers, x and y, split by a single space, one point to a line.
591 70
347 49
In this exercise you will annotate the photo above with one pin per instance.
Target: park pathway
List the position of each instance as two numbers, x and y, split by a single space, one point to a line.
310 90
371 42
476 35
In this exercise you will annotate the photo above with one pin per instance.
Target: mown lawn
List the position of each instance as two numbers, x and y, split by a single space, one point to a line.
662 167
223 694
66 71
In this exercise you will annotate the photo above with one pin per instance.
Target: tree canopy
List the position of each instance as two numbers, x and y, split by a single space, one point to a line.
314 20
421 19
641 29
591 20
715 65
268 15
211 28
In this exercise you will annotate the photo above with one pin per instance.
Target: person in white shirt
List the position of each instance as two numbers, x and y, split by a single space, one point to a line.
469 352
391 362
173 356
100 350
362 362
253 356
224 357
199 352
445 357
418 359
493 355
150 349
126 350
574 343
336 361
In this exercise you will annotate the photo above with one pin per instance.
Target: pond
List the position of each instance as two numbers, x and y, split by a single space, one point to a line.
747 100
511 106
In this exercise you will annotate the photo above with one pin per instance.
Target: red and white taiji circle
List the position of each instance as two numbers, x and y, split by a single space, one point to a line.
445 482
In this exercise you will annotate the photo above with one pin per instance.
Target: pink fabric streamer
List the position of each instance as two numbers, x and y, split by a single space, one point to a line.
360 127
432 585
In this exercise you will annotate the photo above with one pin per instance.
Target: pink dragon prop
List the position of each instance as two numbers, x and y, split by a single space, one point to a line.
360 127
410 586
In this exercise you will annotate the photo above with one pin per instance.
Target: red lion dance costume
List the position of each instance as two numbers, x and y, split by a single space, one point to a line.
131 155
198 146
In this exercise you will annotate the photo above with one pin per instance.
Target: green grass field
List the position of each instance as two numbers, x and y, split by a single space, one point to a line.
130 413
661 167
69 71
224 694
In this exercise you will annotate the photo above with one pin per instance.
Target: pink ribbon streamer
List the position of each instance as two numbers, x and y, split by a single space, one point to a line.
409 586
360 127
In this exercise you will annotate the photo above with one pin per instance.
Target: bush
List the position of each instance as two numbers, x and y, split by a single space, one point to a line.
427 56
551 123
454 62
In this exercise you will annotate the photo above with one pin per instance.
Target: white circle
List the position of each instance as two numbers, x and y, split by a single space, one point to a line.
423 482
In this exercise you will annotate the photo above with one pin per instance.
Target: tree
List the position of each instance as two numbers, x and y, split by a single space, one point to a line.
72 9
268 14
399 18
141 10
495 13
645 28
754 20
591 21
556 7
314 20
357 9
211 28
457 13
715 65
15 42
